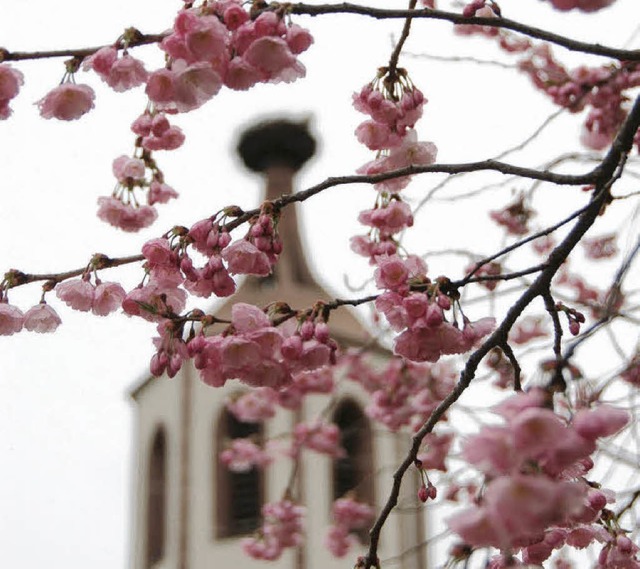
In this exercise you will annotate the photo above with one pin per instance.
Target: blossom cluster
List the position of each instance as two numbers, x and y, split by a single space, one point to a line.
426 333
600 89
215 44
219 44
394 105
584 5
389 217
122 209
401 393
40 318
243 454
535 496
321 437
348 516
256 352
281 529
211 45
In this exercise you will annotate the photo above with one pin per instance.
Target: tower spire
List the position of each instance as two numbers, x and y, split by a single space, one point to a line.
277 149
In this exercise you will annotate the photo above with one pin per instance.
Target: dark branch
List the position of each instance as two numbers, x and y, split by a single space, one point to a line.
531 31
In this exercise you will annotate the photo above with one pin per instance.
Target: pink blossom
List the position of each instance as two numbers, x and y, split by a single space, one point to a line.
492 451
206 40
125 216
41 318
158 252
538 552
67 102
10 81
513 406
603 421
126 168
126 73
321 437
254 406
77 293
269 54
602 247
436 449
160 192
389 219
243 455
351 514
157 298
632 373
535 430
241 75
11 319
376 136
475 527
281 529
523 506
107 298
245 258
584 5
234 16
171 140
160 87
473 332
411 153
391 273
298 39
248 318
101 61
527 329
339 540
543 245
194 85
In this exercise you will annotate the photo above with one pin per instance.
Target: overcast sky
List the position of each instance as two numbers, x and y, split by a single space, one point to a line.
65 416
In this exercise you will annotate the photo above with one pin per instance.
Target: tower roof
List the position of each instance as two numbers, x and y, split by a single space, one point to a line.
278 149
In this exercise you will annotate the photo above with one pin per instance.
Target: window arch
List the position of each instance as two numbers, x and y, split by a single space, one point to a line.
157 498
353 472
238 496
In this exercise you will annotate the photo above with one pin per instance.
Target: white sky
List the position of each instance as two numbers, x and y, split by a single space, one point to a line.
65 418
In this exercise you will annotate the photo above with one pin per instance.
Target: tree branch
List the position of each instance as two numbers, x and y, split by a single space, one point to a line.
531 31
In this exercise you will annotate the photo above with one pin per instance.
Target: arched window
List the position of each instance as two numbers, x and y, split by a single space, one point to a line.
239 495
157 498
353 472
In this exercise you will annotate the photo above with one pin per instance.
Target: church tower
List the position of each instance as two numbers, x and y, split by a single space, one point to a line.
190 511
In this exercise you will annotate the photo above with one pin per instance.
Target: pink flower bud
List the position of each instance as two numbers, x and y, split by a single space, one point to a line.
307 330
322 332
574 327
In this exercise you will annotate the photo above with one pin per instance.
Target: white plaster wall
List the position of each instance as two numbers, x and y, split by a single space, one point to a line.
159 404
160 401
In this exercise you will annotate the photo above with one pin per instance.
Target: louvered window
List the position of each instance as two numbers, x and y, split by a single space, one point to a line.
239 494
353 473
157 499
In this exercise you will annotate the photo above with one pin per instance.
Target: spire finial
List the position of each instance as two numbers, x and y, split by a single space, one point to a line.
279 142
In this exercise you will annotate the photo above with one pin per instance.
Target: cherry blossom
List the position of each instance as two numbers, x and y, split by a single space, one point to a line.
42 319
125 216
281 529
67 102
10 81
11 319
243 455
120 73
